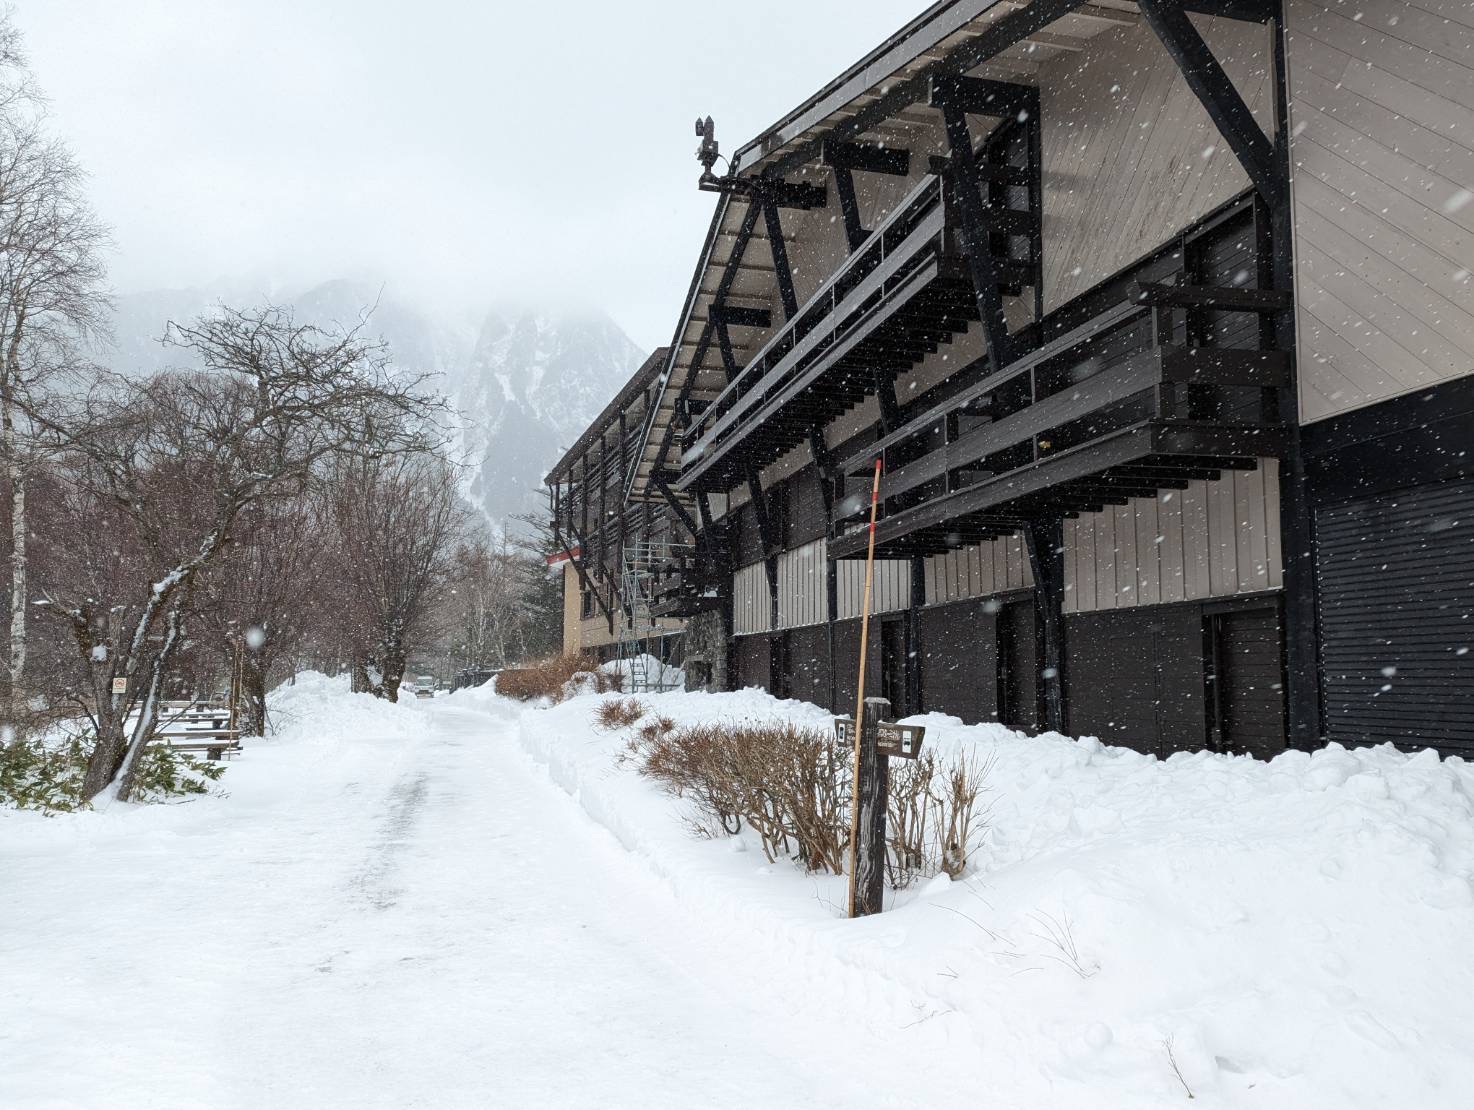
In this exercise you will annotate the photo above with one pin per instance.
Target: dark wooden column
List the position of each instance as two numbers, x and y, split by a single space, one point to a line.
1045 540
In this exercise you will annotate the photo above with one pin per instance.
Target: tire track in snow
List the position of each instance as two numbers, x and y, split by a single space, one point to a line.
406 804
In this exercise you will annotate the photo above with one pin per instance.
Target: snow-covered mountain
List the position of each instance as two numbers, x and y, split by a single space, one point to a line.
524 382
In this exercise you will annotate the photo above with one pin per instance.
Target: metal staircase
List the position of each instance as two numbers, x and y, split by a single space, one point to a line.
640 633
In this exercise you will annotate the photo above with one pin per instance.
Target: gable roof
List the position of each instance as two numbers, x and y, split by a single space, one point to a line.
637 384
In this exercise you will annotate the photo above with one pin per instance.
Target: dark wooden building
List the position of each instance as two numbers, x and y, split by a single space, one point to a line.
1159 315
613 551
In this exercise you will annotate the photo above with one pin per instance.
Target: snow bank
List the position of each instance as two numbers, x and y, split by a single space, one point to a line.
666 676
319 709
1288 934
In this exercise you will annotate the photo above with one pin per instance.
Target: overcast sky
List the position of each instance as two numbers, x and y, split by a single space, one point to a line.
459 150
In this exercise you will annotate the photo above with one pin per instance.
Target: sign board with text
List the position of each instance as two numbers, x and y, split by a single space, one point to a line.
903 741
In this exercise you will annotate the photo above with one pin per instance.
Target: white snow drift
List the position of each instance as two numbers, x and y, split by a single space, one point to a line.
393 905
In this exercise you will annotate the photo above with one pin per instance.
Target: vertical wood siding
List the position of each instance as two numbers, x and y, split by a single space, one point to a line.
801 599
987 568
1382 115
892 588
1213 539
752 605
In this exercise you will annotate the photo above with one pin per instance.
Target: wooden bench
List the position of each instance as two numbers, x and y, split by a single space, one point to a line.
213 742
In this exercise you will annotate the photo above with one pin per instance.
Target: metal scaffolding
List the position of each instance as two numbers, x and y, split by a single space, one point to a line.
642 657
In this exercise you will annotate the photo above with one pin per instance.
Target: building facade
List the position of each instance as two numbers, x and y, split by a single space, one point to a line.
1158 317
611 551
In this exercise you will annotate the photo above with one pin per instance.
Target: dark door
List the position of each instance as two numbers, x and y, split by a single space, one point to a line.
893 659
1018 667
1245 682
779 666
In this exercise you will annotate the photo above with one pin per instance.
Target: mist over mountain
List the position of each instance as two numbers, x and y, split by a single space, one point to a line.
524 382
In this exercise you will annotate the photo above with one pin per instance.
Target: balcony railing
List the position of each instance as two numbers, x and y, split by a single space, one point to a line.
904 291
1125 404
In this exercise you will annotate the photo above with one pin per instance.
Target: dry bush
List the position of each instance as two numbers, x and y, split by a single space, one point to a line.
552 678
789 784
655 729
960 819
909 819
619 713
933 813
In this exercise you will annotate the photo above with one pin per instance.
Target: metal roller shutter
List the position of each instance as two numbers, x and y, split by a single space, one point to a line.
1396 576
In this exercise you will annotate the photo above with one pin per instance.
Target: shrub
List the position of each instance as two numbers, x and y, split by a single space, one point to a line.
932 816
35 774
44 772
554 677
791 786
619 713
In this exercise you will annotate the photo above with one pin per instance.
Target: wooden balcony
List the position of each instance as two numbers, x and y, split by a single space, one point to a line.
688 585
904 292
1128 403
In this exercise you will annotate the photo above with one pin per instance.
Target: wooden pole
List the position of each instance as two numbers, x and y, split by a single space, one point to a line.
860 698
235 684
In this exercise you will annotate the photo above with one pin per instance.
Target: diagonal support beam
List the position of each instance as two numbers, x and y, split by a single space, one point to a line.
1211 85
849 208
680 511
976 233
729 357
708 331
844 159
780 260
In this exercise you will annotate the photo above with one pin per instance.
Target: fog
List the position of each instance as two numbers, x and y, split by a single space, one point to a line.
456 152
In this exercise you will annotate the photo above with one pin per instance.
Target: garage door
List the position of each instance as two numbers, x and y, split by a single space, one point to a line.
1396 576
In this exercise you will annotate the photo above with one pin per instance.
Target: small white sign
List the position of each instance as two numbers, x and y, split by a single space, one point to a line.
120 685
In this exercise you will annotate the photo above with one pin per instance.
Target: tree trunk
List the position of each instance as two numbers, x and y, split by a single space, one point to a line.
252 707
148 714
108 753
394 663
17 668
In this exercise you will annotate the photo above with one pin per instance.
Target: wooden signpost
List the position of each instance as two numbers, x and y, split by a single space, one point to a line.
873 742
877 740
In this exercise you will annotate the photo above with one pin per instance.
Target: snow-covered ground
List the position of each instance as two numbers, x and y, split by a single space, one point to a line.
465 902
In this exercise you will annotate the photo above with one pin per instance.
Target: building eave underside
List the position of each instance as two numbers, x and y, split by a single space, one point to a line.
880 100
638 382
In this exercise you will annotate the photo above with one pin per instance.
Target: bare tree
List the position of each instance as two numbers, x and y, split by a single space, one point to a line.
397 520
180 457
490 609
52 294
259 599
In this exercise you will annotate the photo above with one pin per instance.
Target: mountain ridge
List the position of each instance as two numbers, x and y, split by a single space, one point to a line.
524 382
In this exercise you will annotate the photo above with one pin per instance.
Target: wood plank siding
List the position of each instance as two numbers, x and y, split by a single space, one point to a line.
801 590
1213 539
980 570
1130 156
1382 115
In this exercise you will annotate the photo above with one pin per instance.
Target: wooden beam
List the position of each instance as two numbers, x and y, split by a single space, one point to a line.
975 229
867 157
780 261
980 96
737 316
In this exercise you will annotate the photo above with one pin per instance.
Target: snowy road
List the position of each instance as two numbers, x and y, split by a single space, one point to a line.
418 920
